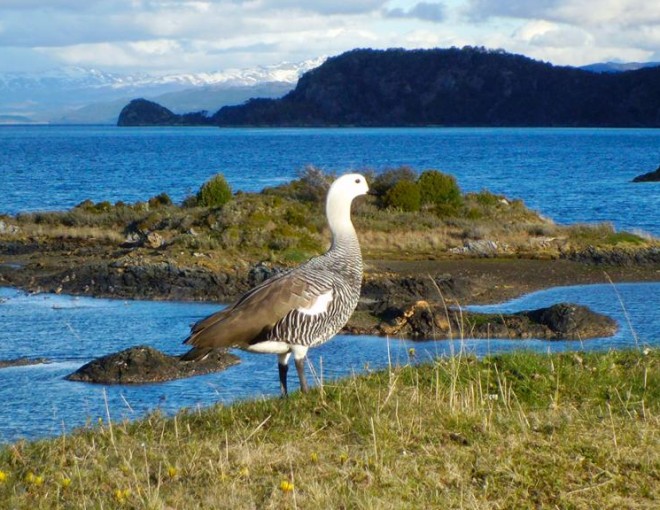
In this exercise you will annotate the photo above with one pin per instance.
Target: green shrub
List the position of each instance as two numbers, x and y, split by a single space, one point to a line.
311 186
440 191
404 195
91 207
160 200
214 193
487 199
389 178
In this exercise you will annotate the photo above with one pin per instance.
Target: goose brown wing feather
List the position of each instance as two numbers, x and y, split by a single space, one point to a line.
251 317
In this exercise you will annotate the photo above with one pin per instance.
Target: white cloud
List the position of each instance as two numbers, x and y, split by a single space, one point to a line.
425 11
199 35
548 34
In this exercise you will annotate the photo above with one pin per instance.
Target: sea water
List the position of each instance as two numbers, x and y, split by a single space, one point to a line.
36 401
569 175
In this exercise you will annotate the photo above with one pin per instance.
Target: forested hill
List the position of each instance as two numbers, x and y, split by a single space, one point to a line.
454 87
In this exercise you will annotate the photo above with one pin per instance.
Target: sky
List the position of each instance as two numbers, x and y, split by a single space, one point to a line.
174 36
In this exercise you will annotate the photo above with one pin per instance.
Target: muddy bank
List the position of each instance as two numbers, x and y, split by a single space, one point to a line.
458 280
390 290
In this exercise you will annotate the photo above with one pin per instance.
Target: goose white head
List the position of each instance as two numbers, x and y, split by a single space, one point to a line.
340 197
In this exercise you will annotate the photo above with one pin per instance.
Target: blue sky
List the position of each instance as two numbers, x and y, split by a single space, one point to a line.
169 36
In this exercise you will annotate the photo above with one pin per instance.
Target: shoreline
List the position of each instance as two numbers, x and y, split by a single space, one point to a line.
497 280
469 281
418 300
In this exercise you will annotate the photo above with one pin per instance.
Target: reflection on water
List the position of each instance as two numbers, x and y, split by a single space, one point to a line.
37 401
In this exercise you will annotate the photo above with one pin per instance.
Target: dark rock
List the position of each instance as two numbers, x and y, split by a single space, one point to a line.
21 362
423 320
615 256
648 177
385 296
145 364
261 272
573 322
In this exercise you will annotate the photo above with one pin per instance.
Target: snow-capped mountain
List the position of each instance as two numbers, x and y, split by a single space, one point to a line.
618 67
76 94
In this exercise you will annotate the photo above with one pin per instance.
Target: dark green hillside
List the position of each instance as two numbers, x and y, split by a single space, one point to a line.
457 87
446 87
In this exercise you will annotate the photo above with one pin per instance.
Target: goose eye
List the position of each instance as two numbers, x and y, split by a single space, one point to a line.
357 181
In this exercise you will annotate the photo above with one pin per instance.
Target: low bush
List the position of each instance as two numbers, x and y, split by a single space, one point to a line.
440 191
214 193
161 200
385 181
311 186
404 195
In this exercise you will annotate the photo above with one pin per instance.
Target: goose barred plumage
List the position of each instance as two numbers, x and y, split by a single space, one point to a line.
299 309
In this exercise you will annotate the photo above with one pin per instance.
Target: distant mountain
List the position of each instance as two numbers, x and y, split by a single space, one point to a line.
141 112
79 95
204 98
455 87
618 67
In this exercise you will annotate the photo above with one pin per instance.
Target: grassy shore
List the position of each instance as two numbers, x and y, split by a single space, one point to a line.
522 430
286 225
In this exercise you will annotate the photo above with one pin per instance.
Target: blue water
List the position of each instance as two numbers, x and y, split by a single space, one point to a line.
569 175
38 402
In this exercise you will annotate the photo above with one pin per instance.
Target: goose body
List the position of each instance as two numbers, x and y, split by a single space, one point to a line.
299 309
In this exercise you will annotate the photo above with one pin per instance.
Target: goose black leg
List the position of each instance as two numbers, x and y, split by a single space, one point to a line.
300 367
283 369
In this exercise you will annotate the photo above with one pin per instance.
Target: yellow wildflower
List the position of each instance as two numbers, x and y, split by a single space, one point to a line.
65 482
314 457
33 479
286 486
122 495
3 476
171 471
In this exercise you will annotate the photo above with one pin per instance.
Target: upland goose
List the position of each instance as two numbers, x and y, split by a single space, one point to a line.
299 309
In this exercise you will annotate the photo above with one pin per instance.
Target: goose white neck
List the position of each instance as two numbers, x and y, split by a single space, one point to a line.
338 212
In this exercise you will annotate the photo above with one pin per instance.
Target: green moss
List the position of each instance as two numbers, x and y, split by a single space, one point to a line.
624 238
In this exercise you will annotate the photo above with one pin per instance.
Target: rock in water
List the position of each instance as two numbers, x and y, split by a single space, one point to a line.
21 362
145 364
570 321
648 177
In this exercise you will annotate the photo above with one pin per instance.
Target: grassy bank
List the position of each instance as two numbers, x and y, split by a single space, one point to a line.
286 225
516 431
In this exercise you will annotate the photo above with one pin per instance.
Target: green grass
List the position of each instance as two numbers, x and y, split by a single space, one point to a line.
515 431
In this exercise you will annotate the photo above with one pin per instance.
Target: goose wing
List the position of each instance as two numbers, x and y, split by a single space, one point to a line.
250 319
